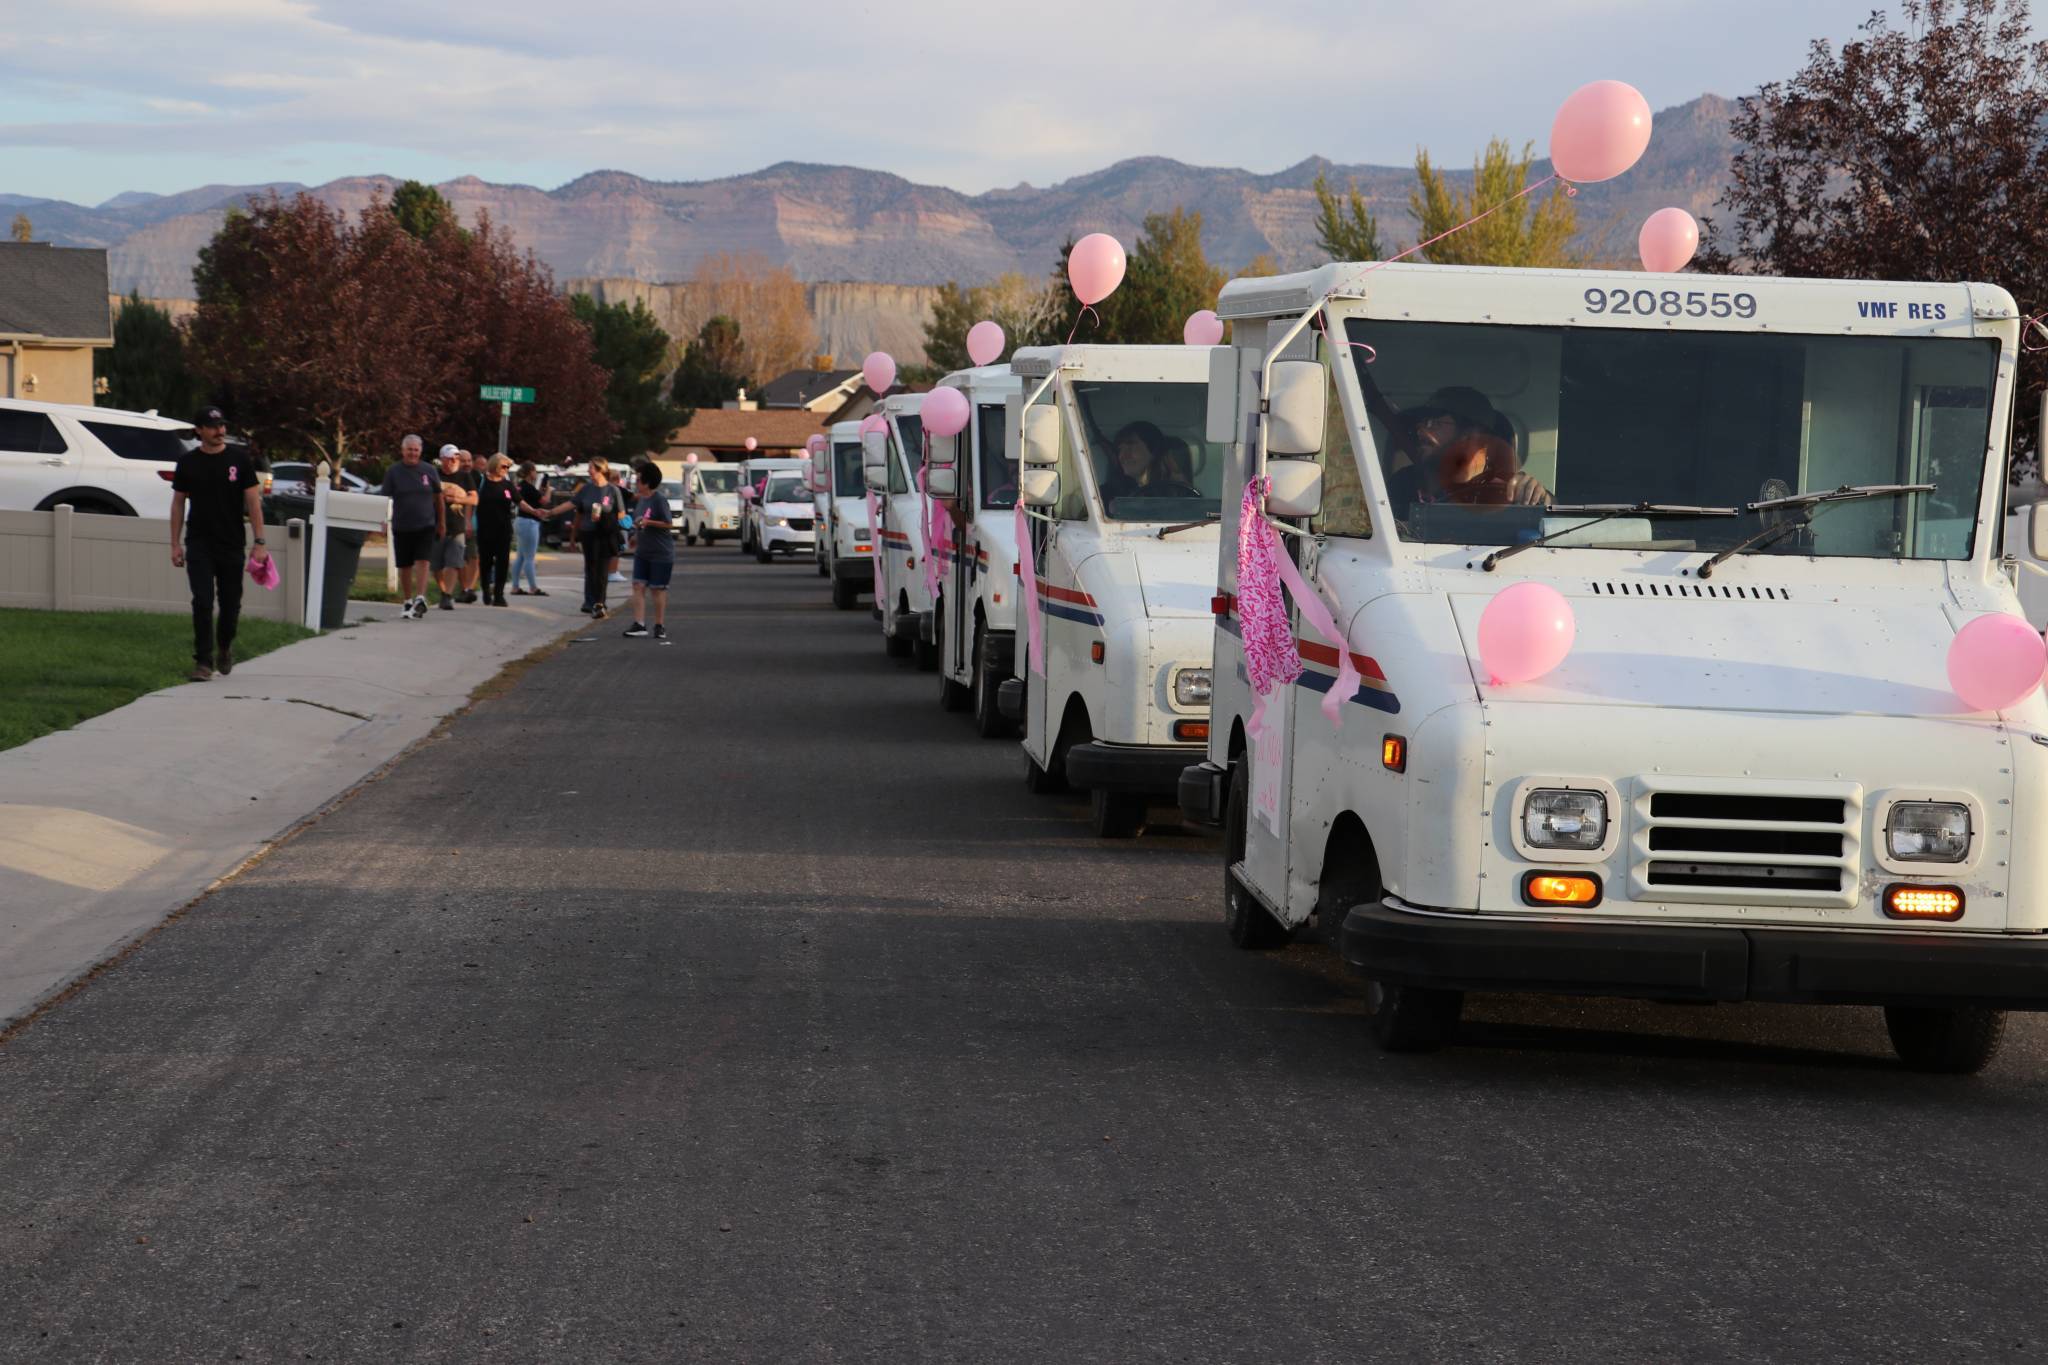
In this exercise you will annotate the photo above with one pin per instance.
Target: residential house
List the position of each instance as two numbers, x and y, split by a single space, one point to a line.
721 433
53 316
820 389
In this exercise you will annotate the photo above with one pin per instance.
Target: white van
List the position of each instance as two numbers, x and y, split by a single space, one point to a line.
1122 487
775 507
843 535
974 618
97 460
892 460
1770 505
711 502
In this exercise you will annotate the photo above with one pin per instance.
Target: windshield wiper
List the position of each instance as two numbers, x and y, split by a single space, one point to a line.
1604 511
1166 531
1846 493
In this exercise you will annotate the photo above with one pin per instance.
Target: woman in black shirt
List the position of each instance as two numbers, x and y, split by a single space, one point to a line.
533 511
496 503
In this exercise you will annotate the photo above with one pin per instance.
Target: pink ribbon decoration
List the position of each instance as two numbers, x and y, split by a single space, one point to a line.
931 558
874 546
1027 574
1265 575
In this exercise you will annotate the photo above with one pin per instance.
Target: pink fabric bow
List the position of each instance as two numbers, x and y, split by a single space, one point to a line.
1271 656
1027 575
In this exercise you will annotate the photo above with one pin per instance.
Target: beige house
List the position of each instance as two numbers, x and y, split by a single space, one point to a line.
53 316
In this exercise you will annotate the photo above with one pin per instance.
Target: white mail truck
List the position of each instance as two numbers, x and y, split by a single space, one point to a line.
974 618
1121 487
843 536
711 504
893 460
1768 507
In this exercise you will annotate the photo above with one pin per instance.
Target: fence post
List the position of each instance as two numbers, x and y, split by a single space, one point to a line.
316 585
60 557
293 584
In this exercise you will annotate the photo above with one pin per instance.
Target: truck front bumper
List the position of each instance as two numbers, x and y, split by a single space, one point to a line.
1404 946
1152 769
857 568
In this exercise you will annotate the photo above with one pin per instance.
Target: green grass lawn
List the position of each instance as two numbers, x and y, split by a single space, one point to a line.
370 584
58 668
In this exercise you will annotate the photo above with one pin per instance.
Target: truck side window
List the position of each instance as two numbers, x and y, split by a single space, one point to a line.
1344 506
1073 503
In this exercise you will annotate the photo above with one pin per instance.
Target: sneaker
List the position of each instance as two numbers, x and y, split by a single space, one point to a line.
227 660
201 672
635 631
499 601
447 603
587 608
537 592
419 607
661 636
616 578
598 613
468 598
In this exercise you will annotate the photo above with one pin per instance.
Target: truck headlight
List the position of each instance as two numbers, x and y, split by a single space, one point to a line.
1192 687
1928 832
782 521
1555 818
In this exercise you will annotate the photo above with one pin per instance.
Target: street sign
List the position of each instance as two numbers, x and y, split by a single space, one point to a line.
506 393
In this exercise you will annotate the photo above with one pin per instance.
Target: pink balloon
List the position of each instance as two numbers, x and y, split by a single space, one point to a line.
752 443
879 369
944 411
1995 661
1095 267
873 422
1525 631
1668 240
690 458
985 342
1202 329
815 444
1601 130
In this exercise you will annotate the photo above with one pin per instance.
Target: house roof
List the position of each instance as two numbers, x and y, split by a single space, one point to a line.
54 291
773 428
800 388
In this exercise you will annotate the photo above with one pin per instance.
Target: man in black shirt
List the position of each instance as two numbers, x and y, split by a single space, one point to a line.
212 491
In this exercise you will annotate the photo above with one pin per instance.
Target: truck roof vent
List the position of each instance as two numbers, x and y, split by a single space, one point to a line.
1730 591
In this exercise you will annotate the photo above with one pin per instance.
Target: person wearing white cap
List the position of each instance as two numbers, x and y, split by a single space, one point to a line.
457 498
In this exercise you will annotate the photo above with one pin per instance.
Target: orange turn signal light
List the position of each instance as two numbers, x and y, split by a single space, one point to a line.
1095 651
1559 888
1394 753
1191 729
1923 902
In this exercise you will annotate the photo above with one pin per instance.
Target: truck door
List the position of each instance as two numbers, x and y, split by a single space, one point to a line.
963 579
1271 763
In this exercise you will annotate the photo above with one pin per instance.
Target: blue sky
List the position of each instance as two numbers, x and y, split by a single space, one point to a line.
101 96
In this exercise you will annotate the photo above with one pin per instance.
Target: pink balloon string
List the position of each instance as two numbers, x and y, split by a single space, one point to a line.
1370 354
2029 338
1027 575
1571 192
1095 320
1318 614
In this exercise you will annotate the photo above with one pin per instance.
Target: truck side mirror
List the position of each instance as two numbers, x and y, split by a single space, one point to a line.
1297 489
942 450
1038 486
1294 408
2037 532
874 459
1041 444
942 482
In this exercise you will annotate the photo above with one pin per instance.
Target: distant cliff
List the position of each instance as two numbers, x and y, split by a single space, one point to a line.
852 317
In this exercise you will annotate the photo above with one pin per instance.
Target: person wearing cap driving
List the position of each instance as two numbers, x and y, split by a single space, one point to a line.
212 491
1463 418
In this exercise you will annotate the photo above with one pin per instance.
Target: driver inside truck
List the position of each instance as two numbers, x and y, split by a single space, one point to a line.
1453 447
1143 466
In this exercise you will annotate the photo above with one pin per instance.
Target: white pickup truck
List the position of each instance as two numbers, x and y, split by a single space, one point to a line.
975 616
1769 505
1121 486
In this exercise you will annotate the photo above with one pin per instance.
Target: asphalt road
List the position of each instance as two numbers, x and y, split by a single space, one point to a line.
728 1001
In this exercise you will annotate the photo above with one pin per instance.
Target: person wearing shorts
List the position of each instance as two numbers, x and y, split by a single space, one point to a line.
451 551
654 555
414 488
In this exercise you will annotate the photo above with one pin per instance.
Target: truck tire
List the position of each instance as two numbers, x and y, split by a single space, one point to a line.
824 569
989 722
1244 919
844 594
1414 1018
1116 815
1959 1041
894 645
952 696
764 554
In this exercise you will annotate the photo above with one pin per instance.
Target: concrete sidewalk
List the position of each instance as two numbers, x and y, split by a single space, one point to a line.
107 828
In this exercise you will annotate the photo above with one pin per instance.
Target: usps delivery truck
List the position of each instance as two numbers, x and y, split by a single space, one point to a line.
1769 505
893 460
711 504
974 618
843 537
1121 486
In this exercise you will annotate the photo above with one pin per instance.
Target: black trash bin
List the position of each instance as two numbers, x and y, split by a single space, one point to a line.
344 554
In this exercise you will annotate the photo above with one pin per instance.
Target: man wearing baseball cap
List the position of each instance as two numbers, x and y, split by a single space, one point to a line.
212 491
457 498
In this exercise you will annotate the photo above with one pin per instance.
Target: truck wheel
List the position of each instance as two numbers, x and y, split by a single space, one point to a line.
1244 919
989 722
1116 815
764 554
824 570
1414 1018
893 645
1954 1042
843 594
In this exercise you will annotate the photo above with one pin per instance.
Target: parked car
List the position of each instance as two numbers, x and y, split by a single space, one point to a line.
290 473
98 460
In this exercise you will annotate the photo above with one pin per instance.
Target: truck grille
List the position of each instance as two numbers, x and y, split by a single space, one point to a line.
1728 842
801 523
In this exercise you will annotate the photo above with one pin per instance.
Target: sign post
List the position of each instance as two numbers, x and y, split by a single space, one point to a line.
505 395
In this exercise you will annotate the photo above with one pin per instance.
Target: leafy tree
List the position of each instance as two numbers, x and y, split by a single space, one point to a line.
630 346
420 209
714 368
145 367
1016 303
766 301
1913 153
1345 228
1530 231
1166 277
23 229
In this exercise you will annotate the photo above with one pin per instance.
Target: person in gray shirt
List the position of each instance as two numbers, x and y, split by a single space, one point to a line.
654 553
414 488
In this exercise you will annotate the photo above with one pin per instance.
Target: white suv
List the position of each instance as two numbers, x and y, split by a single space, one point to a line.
96 459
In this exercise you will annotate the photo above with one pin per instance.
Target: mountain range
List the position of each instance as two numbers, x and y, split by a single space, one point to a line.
838 223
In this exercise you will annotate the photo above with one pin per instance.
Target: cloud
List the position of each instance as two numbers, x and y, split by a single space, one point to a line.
968 96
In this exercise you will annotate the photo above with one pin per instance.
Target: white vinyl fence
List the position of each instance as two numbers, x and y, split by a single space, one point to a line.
74 561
